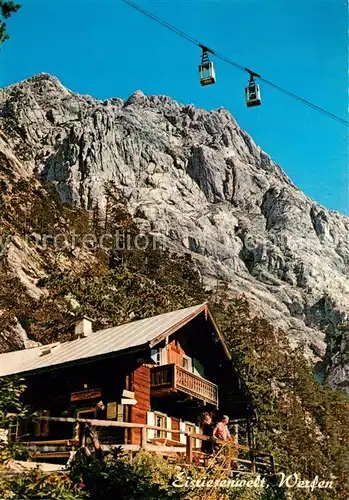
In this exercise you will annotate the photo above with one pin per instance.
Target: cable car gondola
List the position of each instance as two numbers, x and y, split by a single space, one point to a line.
252 91
206 68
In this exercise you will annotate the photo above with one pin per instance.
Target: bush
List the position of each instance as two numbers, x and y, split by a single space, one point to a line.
37 485
149 477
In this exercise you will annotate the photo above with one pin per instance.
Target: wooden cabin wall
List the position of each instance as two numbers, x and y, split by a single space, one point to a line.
51 391
140 385
175 425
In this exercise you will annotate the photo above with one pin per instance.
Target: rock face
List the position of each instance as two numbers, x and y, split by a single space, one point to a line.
198 182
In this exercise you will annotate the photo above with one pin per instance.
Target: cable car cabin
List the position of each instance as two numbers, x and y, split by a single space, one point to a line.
253 95
207 73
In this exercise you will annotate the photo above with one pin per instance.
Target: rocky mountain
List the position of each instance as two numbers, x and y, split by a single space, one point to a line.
199 183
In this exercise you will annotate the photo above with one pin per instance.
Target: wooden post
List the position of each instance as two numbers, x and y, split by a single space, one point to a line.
236 433
229 456
190 446
144 437
250 445
253 462
128 432
254 466
249 434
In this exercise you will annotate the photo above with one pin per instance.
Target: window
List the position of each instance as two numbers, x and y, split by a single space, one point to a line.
156 355
187 363
42 426
12 434
189 427
160 421
198 368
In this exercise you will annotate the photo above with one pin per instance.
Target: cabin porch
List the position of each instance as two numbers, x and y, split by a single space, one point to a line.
240 458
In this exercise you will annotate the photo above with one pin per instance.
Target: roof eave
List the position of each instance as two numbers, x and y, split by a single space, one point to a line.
178 325
82 361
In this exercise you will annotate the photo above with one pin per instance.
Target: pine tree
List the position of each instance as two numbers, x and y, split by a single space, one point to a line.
6 8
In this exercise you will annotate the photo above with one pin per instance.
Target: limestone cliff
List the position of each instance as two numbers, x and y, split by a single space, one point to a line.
199 183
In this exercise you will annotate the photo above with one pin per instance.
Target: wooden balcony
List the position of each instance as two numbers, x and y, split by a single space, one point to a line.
170 378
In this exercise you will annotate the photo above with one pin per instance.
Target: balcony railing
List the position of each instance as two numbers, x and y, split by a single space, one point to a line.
172 377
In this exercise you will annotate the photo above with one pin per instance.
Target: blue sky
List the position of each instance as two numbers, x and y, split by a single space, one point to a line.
106 49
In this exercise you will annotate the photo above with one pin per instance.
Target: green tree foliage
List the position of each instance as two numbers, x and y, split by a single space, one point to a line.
11 408
304 424
110 297
35 485
113 286
149 478
7 8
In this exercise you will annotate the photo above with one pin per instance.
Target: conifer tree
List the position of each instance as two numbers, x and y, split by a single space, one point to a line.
6 8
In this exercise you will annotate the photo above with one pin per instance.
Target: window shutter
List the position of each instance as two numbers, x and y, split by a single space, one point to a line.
197 441
163 356
182 437
151 421
168 426
120 413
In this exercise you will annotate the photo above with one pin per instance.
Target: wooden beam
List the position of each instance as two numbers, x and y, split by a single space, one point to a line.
144 438
190 446
177 326
166 449
250 444
58 442
220 336
166 442
91 421
50 454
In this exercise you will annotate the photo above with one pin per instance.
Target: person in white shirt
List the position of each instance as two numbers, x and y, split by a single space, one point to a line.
221 430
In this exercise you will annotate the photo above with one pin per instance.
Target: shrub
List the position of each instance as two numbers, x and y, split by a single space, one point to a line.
147 478
36 484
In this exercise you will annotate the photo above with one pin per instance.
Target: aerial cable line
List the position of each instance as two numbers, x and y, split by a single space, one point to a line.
164 23
232 63
304 101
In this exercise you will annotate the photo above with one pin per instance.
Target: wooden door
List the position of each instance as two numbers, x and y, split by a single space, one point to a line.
83 413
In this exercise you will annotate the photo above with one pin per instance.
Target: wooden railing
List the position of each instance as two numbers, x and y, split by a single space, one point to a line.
175 377
245 459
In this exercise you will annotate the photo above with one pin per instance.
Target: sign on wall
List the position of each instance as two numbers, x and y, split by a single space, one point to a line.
87 394
112 410
128 394
127 401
